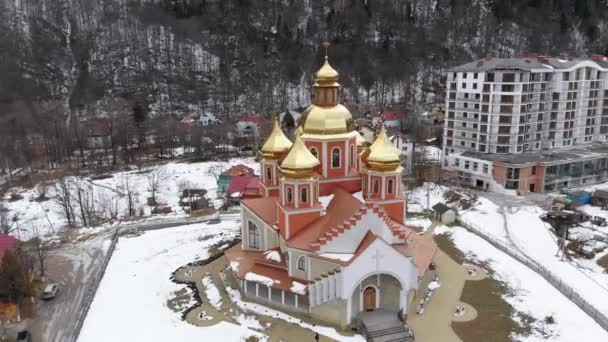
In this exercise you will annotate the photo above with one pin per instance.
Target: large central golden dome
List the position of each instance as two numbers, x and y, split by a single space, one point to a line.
327 120
326 116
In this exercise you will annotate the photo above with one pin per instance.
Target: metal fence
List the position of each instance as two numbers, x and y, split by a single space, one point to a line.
553 279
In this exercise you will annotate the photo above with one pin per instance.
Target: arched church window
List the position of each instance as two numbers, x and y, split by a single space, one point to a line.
314 193
254 235
352 154
390 186
335 157
304 195
314 152
269 173
302 263
289 195
376 186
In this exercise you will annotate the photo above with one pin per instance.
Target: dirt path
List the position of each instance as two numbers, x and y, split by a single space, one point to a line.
435 324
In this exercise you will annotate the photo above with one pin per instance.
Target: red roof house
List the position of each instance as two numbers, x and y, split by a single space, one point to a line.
8 243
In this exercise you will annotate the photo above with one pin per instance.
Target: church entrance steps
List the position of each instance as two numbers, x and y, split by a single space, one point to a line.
382 326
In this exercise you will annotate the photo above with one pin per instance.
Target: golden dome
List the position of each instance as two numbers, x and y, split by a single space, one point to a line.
299 162
327 75
277 143
327 120
383 155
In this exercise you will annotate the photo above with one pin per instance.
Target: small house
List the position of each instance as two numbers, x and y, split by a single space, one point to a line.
224 180
444 214
242 187
99 133
393 118
579 198
249 126
600 198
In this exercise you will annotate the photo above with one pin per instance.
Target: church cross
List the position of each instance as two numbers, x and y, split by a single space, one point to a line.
377 256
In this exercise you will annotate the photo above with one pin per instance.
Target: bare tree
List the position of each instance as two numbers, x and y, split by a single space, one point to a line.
155 179
130 193
6 224
64 198
40 249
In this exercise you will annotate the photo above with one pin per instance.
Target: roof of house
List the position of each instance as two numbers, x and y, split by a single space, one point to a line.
601 194
529 62
7 243
393 115
238 184
100 127
441 208
239 170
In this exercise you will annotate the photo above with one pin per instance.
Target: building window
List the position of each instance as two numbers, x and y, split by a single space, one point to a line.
533 170
485 168
390 186
254 235
314 152
352 154
335 157
289 195
302 263
376 186
304 195
269 173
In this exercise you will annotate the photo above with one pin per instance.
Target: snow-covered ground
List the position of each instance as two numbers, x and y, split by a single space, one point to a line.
425 197
108 195
522 230
531 293
131 302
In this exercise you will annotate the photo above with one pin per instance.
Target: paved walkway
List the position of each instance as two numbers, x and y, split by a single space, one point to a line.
435 324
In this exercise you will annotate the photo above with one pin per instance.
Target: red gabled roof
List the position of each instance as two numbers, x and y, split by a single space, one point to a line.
392 115
7 243
238 184
249 261
421 249
342 206
239 170
265 208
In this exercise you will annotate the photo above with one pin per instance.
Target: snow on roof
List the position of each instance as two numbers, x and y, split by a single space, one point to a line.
252 119
234 265
273 255
256 278
298 288
325 200
338 256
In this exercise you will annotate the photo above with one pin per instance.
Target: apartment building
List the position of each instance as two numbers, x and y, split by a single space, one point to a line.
508 119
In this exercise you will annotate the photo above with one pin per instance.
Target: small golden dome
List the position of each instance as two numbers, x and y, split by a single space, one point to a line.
299 162
383 155
326 74
327 120
277 143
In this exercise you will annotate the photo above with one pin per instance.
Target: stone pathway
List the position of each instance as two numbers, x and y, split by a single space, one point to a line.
435 324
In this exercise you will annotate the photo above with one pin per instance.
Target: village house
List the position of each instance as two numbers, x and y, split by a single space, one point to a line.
225 178
328 237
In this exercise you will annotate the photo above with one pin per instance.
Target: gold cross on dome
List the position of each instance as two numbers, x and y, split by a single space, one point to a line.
326 46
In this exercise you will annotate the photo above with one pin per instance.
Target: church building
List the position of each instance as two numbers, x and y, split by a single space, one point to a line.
327 238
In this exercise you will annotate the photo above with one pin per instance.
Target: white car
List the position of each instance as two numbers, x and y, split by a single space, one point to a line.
50 291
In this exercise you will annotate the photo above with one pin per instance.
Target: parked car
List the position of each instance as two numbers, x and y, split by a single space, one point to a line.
50 291
24 336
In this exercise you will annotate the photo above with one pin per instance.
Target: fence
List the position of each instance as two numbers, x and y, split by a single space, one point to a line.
554 280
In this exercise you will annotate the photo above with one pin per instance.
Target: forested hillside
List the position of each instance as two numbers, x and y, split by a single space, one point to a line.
94 57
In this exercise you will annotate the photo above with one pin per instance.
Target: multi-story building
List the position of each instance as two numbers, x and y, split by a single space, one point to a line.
510 121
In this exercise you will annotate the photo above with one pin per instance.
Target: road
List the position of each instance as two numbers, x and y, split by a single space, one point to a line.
74 266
